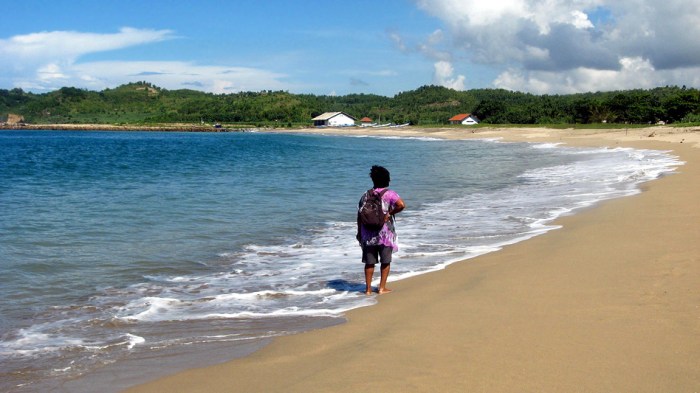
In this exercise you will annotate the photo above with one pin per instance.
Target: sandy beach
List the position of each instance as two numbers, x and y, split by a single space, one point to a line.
608 303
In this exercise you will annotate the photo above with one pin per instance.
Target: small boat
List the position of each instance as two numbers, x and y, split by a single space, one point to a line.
400 125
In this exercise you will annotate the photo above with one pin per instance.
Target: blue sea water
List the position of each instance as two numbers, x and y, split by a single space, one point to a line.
137 248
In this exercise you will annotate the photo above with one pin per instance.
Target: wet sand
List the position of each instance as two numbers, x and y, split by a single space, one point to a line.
608 303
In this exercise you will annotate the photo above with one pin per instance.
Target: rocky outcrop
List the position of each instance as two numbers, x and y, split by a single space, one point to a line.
14 119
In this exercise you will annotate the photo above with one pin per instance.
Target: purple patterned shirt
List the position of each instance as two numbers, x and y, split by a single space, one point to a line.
386 236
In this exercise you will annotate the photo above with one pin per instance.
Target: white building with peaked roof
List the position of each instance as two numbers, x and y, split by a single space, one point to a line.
333 119
464 118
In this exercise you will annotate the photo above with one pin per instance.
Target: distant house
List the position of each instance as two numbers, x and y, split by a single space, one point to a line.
333 119
367 122
464 118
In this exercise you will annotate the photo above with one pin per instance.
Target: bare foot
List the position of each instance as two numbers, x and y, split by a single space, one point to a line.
368 292
385 290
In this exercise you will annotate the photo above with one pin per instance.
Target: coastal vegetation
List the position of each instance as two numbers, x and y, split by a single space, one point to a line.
142 103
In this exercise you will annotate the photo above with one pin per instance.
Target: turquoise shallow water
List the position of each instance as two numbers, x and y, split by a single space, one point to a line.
117 246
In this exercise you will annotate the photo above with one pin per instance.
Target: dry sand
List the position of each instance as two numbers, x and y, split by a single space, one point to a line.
609 303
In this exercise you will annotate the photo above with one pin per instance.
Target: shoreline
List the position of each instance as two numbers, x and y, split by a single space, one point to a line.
111 127
516 319
519 134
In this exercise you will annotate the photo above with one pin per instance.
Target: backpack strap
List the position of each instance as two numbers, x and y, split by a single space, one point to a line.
371 191
382 192
381 197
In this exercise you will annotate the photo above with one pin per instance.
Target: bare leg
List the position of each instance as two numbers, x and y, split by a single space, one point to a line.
369 272
384 269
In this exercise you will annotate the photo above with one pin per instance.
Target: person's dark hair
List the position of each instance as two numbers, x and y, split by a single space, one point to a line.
380 176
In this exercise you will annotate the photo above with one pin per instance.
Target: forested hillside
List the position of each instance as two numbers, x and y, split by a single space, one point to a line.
143 103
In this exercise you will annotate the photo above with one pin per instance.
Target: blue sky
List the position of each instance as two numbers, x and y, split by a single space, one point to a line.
341 47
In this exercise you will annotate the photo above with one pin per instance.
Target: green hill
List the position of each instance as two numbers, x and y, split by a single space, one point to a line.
144 103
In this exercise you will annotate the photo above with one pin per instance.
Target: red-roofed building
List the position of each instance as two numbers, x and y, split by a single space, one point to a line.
366 122
464 118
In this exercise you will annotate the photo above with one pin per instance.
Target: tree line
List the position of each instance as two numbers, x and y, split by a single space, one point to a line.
144 103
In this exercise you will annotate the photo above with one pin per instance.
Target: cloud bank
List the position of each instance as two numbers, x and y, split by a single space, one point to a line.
566 46
49 60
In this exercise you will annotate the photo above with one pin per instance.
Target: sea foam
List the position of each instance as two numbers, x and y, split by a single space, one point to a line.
257 238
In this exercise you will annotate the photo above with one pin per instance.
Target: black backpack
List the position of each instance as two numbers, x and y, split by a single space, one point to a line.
370 213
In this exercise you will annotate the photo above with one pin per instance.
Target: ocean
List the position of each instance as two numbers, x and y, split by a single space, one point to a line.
128 255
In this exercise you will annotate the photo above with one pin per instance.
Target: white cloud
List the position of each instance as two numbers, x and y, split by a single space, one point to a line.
50 72
635 73
433 47
69 45
444 76
580 20
178 75
565 45
473 12
47 60
167 74
50 60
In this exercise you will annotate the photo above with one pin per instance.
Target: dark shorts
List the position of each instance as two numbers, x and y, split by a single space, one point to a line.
371 255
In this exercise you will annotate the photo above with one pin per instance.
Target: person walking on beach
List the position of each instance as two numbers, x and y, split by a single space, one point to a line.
379 241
